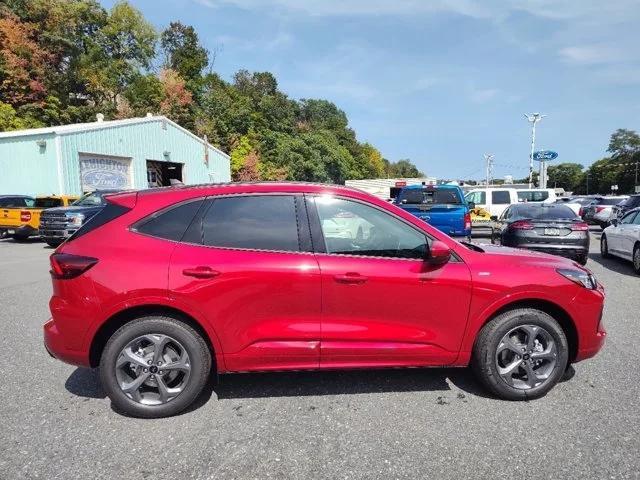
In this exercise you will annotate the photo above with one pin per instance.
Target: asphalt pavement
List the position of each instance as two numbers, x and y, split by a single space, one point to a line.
417 423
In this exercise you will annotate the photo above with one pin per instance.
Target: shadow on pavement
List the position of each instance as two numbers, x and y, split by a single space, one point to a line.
614 264
315 383
85 382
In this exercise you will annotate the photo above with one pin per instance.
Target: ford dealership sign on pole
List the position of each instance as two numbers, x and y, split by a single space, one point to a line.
544 156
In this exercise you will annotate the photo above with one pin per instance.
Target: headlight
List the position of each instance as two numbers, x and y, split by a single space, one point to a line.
585 279
75 219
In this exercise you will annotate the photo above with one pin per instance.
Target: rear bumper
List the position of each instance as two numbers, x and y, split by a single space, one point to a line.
21 230
54 343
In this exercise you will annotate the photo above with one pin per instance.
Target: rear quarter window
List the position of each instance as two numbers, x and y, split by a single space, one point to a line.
172 222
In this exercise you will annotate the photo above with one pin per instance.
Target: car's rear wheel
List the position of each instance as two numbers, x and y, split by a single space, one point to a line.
636 258
154 367
54 243
604 247
521 354
20 238
581 259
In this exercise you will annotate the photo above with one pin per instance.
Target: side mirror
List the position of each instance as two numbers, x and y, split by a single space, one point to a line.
494 218
439 253
472 205
614 222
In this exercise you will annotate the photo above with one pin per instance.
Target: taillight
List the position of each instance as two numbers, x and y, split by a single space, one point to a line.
581 211
467 221
521 225
25 216
65 266
579 227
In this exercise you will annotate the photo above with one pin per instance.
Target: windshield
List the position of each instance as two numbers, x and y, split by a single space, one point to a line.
417 196
93 199
555 212
48 202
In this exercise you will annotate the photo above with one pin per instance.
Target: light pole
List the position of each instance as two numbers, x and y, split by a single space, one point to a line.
488 157
533 118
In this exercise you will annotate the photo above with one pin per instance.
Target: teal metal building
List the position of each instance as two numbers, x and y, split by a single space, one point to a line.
134 153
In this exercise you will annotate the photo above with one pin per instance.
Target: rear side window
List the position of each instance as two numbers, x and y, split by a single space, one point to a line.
16 202
261 222
48 202
479 198
500 197
533 196
170 223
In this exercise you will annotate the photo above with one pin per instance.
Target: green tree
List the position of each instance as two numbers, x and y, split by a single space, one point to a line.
183 52
402 169
565 175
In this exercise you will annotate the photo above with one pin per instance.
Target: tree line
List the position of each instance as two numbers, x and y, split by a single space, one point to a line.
621 168
64 61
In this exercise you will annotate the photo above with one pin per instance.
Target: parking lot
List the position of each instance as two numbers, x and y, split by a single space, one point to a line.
435 423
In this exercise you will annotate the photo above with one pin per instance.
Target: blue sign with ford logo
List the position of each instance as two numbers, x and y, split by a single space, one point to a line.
545 155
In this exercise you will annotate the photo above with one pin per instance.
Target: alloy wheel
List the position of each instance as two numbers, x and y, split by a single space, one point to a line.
526 356
153 369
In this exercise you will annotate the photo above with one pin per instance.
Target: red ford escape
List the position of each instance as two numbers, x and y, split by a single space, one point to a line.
165 286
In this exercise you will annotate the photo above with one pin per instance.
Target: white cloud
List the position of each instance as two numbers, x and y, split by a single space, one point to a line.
592 54
483 95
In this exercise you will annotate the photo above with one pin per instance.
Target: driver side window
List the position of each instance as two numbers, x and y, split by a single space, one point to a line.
352 228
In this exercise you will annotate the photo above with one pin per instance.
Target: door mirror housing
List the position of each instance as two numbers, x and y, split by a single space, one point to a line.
438 254
472 205
614 222
494 218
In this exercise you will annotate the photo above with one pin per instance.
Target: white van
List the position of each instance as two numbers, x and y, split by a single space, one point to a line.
493 200
496 200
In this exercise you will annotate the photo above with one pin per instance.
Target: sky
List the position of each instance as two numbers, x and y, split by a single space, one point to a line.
440 82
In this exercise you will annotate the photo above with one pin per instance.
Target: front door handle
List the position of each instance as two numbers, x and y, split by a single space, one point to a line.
200 272
351 278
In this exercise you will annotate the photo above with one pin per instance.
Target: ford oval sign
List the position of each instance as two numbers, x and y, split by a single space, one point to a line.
545 155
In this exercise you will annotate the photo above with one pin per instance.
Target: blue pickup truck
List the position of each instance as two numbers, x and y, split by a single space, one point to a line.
442 206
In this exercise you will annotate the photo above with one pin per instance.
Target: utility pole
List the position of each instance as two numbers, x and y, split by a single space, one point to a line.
488 158
533 118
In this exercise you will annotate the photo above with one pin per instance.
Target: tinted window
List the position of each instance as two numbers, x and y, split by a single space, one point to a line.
263 222
48 202
611 201
426 195
352 228
16 202
538 212
500 197
172 223
532 195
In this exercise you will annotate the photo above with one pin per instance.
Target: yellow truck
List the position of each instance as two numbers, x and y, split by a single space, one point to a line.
24 222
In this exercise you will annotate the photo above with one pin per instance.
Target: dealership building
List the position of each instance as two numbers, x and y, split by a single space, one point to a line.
152 151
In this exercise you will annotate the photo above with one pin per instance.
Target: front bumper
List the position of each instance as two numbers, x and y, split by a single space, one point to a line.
587 311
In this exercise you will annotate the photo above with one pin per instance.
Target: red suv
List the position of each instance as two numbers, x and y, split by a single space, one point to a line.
163 286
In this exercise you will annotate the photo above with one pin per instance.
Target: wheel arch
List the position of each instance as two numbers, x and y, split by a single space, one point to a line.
555 311
117 320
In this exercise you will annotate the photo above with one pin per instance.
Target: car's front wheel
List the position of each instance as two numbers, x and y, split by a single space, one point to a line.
636 259
521 354
154 366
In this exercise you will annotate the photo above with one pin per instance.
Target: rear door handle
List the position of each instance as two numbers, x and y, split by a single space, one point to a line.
200 272
351 278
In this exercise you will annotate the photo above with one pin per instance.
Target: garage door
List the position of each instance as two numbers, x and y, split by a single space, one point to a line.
102 171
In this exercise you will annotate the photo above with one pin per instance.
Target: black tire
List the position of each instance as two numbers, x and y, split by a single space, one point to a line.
54 243
193 343
20 238
636 264
604 247
484 363
582 260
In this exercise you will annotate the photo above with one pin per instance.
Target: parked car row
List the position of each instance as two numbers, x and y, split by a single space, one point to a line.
622 238
54 218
